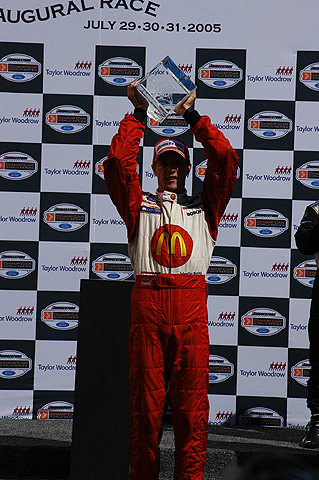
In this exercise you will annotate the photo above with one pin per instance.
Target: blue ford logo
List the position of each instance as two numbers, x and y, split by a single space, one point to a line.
212 378
269 134
265 232
214 278
12 273
8 373
113 275
62 324
317 85
168 131
67 128
14 174
315 183
219 83
311 282
263 330
18 76
65 226
119 80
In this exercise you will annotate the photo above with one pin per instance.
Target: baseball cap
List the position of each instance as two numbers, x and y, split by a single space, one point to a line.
171 144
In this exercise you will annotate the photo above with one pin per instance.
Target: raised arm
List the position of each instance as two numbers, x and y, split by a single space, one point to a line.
221 172
120 173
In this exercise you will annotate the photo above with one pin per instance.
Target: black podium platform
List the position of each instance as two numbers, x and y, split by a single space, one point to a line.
100 438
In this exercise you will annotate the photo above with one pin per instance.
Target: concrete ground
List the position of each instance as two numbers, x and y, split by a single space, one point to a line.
41 449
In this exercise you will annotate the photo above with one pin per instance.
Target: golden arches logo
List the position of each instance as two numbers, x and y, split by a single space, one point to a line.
170 241
171 246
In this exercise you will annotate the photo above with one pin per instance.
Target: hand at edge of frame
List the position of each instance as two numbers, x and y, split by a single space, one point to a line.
135 97
186 104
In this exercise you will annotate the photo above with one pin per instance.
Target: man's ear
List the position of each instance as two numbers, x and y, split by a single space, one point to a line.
154 169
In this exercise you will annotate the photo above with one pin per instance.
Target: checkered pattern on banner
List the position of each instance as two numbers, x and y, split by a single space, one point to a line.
58 224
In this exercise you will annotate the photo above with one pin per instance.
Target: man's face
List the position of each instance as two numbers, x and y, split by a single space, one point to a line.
171 170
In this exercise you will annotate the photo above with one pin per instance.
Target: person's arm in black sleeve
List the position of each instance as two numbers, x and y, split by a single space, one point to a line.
307 235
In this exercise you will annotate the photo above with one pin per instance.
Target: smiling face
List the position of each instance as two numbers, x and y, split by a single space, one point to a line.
171 170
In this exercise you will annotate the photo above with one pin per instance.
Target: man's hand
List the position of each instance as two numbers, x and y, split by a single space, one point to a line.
186 104
135 97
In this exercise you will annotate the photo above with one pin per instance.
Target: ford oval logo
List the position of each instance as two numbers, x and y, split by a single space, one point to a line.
65 226
113 275
263 330
311 282
213 377
219 83
18 76
265 232
317 85
168 131
269 134
12 273
315 183
14 174
8 373
62 324
67 128
119 80
214 279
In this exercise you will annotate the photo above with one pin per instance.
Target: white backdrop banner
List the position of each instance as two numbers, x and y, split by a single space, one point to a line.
64 70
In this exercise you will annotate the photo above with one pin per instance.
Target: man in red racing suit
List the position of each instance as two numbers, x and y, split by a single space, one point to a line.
171 238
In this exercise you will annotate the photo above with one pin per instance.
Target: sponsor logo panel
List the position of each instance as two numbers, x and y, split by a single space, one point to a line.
298 372
120 71
18 67
268 176
65 217
266 223
112 266
260 417
298 322
56 410
116 67
305 272
223 319
263 321
67 168
67 119
17 314
55 365
259 372
61 315
14 364
220 74
297 413
15 264
17 166
62 265
106 222
220 369
220 270
222 409
16 404
267 277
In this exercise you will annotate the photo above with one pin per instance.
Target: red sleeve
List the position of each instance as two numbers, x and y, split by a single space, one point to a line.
120 173
221 172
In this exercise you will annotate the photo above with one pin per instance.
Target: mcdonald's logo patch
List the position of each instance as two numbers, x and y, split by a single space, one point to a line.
171 246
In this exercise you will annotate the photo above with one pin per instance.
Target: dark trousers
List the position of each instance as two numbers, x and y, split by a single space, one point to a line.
313 332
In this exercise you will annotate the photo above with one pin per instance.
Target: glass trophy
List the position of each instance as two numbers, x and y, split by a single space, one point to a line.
164 87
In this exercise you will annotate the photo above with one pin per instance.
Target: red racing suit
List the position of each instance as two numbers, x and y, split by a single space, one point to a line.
171 238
